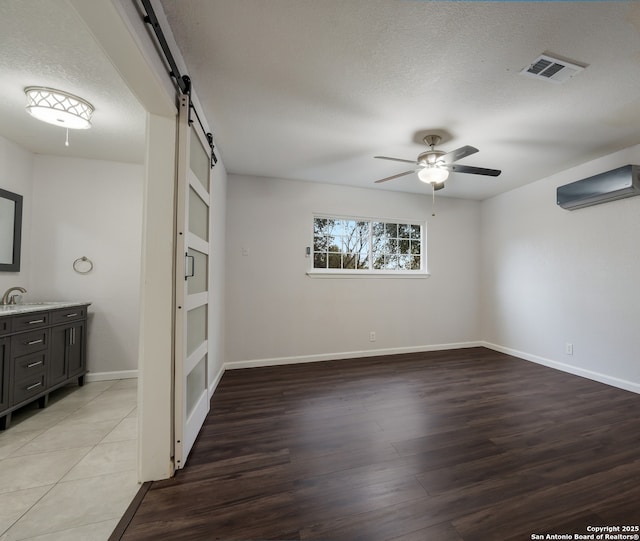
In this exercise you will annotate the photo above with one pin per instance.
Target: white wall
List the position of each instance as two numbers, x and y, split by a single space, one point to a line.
155 381
16 175
71 208
217 274
94 209
552 276
275 311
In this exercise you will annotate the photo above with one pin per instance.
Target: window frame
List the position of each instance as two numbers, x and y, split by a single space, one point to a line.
422 272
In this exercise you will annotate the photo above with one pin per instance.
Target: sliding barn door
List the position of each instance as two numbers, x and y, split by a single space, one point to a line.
191 399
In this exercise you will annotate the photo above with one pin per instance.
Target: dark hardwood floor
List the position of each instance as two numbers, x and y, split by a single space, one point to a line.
455 445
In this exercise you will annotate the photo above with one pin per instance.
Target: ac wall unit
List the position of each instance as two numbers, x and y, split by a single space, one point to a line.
616 184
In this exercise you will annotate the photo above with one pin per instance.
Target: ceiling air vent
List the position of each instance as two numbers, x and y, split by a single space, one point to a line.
552 69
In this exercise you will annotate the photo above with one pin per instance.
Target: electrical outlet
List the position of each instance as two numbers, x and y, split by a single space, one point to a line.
372 336
568 348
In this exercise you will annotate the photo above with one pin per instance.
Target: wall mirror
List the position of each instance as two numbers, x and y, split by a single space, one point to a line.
10 230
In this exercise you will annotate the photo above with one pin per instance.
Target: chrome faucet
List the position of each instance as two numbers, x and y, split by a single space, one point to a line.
7 298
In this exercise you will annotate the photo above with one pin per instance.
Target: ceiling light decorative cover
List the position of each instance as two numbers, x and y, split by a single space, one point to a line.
433 175
58 107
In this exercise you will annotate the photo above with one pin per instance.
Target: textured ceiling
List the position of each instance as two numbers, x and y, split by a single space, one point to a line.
312 90
45 43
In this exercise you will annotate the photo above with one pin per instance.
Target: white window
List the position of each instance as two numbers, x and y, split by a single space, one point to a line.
358 245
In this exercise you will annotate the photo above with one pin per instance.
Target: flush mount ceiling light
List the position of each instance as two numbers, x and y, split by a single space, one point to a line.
58 107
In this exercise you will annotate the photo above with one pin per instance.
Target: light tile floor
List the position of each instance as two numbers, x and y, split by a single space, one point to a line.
68 472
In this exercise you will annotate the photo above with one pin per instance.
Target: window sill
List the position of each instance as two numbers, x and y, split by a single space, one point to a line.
361 274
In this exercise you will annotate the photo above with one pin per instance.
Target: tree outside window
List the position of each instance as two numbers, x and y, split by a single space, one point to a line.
367 245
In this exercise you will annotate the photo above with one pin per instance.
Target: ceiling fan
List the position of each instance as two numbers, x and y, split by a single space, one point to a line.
433 166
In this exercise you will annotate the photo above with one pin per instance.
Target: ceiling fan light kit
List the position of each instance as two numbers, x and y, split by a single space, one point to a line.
58 108
433 166
432 174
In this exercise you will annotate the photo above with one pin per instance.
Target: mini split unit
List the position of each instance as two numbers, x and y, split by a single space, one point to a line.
616 184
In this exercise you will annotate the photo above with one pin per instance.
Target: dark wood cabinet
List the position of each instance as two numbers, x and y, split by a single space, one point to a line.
68 347
75 351
39 352
28 322
58 363
4 373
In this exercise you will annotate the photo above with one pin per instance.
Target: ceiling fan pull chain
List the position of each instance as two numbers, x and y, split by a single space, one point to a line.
66 142
433 200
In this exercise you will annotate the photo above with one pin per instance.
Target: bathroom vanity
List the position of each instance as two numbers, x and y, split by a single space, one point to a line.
42 347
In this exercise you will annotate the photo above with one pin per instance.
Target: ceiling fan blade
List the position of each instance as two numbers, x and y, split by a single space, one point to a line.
395 176
473 170
395 159
457 154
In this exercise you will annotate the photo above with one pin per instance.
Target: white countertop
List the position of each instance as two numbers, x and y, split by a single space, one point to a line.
13 309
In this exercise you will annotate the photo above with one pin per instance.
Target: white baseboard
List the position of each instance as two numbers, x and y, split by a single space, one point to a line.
106 376
595 376
275 361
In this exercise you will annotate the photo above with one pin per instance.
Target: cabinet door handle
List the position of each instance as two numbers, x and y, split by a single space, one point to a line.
35 321
34 386
34 364
72 315
34 342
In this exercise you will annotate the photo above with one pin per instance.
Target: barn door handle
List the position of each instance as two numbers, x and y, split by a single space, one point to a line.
193 266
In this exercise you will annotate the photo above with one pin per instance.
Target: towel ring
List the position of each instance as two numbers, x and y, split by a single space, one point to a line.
83 265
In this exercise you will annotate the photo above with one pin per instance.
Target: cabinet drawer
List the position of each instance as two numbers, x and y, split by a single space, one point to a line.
29 342
26 388
30 321
68 314
30 366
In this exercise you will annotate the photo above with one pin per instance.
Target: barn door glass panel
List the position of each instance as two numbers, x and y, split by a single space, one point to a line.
197 272
199 161
198 215
196 381
196 328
